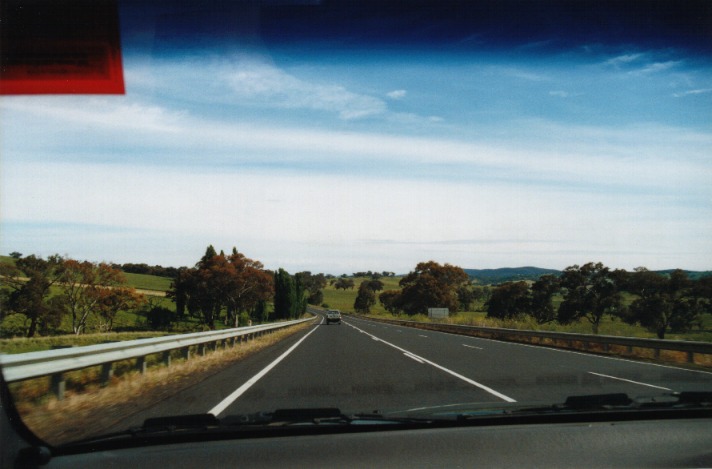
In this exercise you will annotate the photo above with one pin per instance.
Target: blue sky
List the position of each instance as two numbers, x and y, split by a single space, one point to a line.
482 158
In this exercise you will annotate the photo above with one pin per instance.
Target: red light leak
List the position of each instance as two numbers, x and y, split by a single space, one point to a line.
60 48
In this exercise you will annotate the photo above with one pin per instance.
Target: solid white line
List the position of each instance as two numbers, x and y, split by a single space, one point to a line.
630 381
440 367
472 346
248 384
413 357
421 335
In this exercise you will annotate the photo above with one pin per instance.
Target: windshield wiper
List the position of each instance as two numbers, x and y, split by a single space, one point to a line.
673 400
192 425
596 407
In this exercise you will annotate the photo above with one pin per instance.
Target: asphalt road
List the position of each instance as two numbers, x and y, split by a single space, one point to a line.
362 366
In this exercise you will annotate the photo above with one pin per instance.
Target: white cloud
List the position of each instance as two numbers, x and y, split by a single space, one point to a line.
523 74
560 94
693 92
396 94
630 156
322 214
116 113
253 79
657 67
624 59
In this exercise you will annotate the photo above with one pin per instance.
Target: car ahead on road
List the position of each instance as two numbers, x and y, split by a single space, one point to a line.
333 315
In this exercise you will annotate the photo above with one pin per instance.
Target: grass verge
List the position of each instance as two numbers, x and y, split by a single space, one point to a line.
95 409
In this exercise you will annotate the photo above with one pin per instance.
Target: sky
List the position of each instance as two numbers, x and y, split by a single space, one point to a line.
314 149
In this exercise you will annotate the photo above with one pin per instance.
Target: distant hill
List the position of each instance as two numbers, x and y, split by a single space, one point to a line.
514 274
508 274
693 274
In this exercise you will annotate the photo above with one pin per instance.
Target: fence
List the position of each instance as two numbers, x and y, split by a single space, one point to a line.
55 363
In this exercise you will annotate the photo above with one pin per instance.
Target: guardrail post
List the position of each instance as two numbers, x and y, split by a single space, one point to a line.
186 353
58 385
107 371
141 364
203 349
167 358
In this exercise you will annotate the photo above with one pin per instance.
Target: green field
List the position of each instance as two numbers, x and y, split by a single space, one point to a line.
148 282
343 300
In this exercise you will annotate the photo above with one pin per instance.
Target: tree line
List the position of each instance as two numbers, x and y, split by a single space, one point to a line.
231 290
88 292
658 302
235 290
157 270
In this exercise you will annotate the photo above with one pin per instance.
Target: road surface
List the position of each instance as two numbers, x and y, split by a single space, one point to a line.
362 366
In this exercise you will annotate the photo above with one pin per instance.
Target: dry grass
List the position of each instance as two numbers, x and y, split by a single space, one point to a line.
80 415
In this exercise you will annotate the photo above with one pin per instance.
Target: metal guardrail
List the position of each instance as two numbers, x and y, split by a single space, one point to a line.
55 363
676 351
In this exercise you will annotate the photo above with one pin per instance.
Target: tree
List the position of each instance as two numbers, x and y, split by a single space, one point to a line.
313 284
16 255
248 285
218 283
509 301
285 295
344 283
209 286
159 318
590 293
430 285
366 297
541 307
374 285
664 303
702 289
390 299
466 295
180 289
91 288
30 293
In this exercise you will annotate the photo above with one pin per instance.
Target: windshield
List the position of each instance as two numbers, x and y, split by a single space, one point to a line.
257 162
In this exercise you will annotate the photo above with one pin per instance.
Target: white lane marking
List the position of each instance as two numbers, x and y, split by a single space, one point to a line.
248 384
472 346
440 367
410 355
590 355
630 381
421 335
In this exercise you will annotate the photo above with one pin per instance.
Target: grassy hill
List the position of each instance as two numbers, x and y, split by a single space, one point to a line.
344 299
508 274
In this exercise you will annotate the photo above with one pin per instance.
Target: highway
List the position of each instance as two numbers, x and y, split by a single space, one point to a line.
363 366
